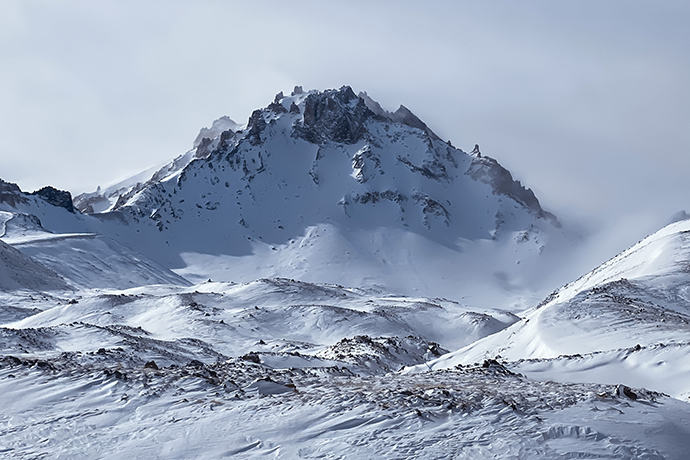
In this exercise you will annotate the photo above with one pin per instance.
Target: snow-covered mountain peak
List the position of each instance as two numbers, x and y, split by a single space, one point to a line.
328 187
339 118
324 119
333 163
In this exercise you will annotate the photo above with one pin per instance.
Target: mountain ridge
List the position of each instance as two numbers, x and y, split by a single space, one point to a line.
315 159
401 209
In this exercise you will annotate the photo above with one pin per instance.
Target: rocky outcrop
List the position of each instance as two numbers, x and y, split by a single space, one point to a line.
12 195
402 115
334 115
489 171
61 198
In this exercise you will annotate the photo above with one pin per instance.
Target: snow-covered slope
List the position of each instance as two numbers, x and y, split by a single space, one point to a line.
89 260
320 187
628 319
84 259
113 196
19 271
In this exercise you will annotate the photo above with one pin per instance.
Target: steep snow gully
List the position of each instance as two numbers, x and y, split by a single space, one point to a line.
332 280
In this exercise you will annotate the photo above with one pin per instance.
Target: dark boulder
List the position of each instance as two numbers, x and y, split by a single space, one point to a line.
622 390
251 357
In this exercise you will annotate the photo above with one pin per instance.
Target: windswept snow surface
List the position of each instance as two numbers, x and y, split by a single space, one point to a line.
284 369
626 321
87 407
19 271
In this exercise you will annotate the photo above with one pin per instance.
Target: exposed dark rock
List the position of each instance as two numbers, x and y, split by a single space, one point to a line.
277 107
13 360
375 197
151 365
432 208
225 138
203 149
251 357
493 365
9 187
195 363
431 169
622 390
490 362
434 349
255 127
489 171
11 194
334 115
56 197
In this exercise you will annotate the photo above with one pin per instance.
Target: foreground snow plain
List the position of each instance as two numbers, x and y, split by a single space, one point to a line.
166 372
232 409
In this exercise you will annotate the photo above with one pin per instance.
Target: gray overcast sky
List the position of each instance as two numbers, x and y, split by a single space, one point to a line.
587 102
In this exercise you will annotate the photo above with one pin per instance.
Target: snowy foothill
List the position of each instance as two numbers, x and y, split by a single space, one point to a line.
332 280
627 320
